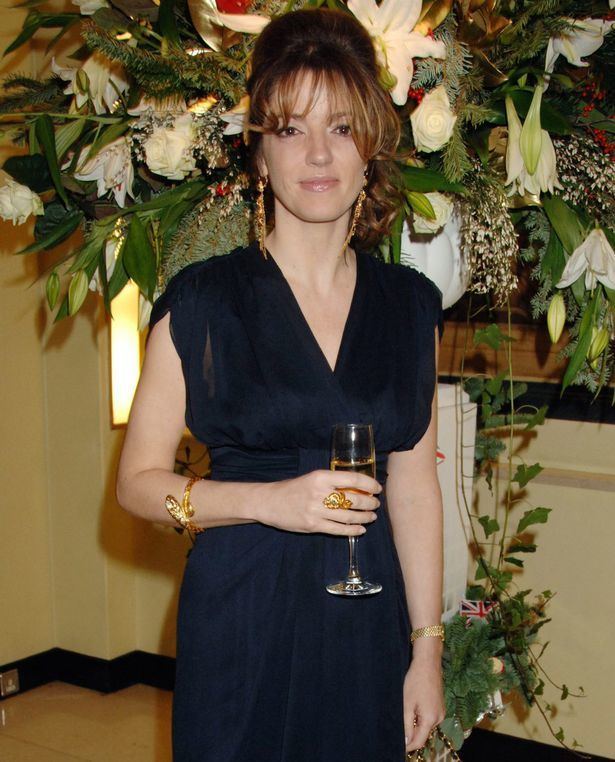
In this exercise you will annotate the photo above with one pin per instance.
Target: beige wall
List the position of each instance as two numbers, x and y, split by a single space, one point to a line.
79 573
574 559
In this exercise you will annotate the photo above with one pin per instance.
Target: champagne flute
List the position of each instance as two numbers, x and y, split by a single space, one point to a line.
352 449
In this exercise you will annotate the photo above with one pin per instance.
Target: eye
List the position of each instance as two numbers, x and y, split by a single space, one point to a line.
287 132
344 129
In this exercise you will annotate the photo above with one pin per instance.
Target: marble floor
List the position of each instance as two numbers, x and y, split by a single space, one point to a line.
60 722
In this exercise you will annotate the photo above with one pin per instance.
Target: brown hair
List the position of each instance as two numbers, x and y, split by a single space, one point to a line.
336 50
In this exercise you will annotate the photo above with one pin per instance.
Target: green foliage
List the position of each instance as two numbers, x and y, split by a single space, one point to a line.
468 672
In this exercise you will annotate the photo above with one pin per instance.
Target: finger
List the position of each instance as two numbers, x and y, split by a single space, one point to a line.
351 516
354 480
419 734
344 530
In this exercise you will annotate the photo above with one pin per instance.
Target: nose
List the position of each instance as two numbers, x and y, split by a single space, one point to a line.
318 150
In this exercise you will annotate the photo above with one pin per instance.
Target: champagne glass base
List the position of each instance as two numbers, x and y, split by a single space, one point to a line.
354 587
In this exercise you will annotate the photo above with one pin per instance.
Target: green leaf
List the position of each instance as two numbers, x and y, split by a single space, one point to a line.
67 134
119 276
525 474
32 171
481 569
564 695
494 384
535 516
585 337
139 257
396 237
45 135
35 21
564 221
554 260
451 727
520 548
167 23
421 205
538 418
610 293
515 561
51 228
423 180
104 137
491 335
560 735
489 525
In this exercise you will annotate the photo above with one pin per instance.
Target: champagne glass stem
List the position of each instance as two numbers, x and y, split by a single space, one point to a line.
353 570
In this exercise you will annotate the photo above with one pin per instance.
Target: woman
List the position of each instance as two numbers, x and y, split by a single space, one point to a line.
263 350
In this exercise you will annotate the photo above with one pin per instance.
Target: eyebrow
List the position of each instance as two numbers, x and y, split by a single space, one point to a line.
337 115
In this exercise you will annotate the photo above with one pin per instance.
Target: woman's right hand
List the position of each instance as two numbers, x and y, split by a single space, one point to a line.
297 504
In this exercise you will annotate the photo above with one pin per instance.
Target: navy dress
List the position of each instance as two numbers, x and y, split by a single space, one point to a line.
270 666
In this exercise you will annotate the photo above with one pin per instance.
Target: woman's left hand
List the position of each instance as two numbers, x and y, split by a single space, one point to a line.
423 700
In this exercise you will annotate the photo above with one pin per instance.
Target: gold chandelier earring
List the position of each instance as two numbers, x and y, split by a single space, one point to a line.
261 222
356 214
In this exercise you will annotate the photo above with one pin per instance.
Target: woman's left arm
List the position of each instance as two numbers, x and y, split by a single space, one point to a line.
415 509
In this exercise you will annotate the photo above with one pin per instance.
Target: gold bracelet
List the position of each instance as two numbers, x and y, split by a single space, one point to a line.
436 630
176 512
187 506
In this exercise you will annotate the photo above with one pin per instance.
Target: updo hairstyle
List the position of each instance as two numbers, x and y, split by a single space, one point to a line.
337 52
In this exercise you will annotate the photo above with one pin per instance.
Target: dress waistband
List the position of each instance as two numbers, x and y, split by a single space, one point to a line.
234 463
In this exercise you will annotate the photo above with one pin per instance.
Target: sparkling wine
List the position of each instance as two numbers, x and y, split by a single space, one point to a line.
362 466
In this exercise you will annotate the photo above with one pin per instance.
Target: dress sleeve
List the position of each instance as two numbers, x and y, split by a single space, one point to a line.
178 298
426 315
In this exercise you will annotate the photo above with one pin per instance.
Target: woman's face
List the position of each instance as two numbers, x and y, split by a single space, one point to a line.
314 168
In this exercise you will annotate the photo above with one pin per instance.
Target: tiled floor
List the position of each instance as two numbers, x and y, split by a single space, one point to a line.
62 722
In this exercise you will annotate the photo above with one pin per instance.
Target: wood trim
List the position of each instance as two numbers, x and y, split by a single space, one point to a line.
534 357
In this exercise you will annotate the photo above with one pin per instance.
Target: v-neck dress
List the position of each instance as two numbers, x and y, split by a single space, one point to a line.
271 667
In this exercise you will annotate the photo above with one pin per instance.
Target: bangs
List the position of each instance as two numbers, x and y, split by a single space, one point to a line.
343 91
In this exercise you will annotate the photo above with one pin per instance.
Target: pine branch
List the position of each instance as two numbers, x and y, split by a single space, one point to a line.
33 94
160 77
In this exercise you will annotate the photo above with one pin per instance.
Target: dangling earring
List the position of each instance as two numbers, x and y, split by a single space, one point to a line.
261 222
356 214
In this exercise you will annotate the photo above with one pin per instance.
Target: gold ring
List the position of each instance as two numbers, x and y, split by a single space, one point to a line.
337 499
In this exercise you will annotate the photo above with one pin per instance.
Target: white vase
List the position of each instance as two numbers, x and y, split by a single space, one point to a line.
439 258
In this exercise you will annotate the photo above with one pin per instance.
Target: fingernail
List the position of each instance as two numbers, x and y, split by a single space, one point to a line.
406 740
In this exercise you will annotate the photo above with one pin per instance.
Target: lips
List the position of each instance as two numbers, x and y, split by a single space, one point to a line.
319 184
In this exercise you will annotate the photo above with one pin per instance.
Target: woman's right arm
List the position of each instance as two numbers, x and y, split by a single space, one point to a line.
145 472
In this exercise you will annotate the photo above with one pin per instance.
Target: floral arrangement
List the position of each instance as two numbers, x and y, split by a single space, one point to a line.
504 117
134 155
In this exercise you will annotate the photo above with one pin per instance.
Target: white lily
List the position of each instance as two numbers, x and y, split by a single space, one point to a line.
583 40
111 168
209 22
235 117
391 26
594 257
545 177
105 79
89 7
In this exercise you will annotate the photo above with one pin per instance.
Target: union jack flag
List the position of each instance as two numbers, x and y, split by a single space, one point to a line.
475 609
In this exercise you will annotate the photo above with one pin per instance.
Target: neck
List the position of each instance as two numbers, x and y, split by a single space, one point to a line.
310 252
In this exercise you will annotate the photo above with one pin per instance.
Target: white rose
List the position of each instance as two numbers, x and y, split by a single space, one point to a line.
18 202
168 150
433 121
443 209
